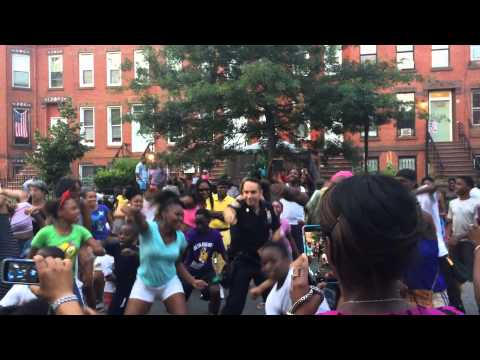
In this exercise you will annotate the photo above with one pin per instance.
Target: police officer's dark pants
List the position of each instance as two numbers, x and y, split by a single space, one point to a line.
244 270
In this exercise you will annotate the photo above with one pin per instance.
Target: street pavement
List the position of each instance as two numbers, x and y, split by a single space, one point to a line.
197 306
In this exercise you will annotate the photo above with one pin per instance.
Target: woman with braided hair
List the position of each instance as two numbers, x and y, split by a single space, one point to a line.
373 230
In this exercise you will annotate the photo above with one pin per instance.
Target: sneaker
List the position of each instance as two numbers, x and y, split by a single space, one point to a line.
100 306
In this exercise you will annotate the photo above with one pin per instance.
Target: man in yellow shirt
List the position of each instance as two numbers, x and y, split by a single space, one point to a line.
220 202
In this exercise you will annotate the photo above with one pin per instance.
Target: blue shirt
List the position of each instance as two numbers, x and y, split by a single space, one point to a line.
157 259
141 171
425 268
100 230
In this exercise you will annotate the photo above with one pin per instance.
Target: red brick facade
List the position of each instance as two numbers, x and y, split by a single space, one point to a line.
461 77
98 97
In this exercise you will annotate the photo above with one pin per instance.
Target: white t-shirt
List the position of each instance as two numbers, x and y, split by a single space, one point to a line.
463 213
18 295
475 193
279 300
302 189
292 212
105 265
429 204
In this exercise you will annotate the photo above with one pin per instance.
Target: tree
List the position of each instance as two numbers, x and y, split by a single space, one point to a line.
358 97
60 147
218 93
276 88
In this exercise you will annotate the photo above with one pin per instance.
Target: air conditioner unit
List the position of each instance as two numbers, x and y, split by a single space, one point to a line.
406 132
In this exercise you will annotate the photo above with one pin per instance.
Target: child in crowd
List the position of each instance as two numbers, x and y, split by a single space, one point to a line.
277 267
203 242
125 265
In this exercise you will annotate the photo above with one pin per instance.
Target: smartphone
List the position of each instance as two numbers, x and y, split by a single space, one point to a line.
19 271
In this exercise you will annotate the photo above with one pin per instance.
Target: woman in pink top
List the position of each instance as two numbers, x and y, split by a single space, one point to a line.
372 226
189 210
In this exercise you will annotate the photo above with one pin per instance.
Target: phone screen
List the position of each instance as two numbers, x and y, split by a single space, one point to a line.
19 271
314 247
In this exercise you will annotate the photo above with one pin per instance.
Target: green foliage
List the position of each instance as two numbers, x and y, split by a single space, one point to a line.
212 86
62 145
127 65
121 173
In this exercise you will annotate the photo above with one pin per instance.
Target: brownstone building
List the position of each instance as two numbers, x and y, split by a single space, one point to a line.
33 79
449 93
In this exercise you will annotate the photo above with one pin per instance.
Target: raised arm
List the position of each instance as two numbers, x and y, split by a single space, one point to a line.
19 195
136 217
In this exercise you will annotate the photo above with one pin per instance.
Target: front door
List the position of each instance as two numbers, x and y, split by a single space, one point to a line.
440 116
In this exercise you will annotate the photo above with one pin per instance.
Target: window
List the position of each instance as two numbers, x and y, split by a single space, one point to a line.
54 120
407 163
21 126
475 52
406 121
476 107
368 53
87 173
87 125
440 56
372 165
114 119
21 70
139 141
405 57
114 74
372 132
86 70
140 63
55 71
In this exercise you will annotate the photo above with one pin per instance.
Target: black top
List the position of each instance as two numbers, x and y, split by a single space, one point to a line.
252 231
125 267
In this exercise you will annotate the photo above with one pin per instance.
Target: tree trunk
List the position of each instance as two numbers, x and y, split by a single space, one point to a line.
271 140
365 147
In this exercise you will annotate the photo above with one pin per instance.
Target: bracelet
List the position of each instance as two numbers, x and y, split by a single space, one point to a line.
476 248
63 300
304 299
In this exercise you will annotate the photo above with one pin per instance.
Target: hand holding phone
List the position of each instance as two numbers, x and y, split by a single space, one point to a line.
19 271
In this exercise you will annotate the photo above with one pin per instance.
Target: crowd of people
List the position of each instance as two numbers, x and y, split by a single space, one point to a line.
392 247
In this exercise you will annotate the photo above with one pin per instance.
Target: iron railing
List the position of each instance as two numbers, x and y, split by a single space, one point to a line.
464 140
434 158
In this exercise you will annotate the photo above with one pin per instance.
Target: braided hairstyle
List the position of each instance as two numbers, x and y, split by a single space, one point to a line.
374 226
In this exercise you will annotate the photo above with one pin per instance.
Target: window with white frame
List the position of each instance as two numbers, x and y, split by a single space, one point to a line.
476 107
54 120
440 56
372 165
87 173
405 59
368 53
86 69
475 52
21 70
114 120
55 71
87 125
114 73
407 162
406 124
372 132
140 63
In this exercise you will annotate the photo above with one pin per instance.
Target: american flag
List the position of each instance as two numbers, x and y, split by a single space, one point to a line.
20 120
